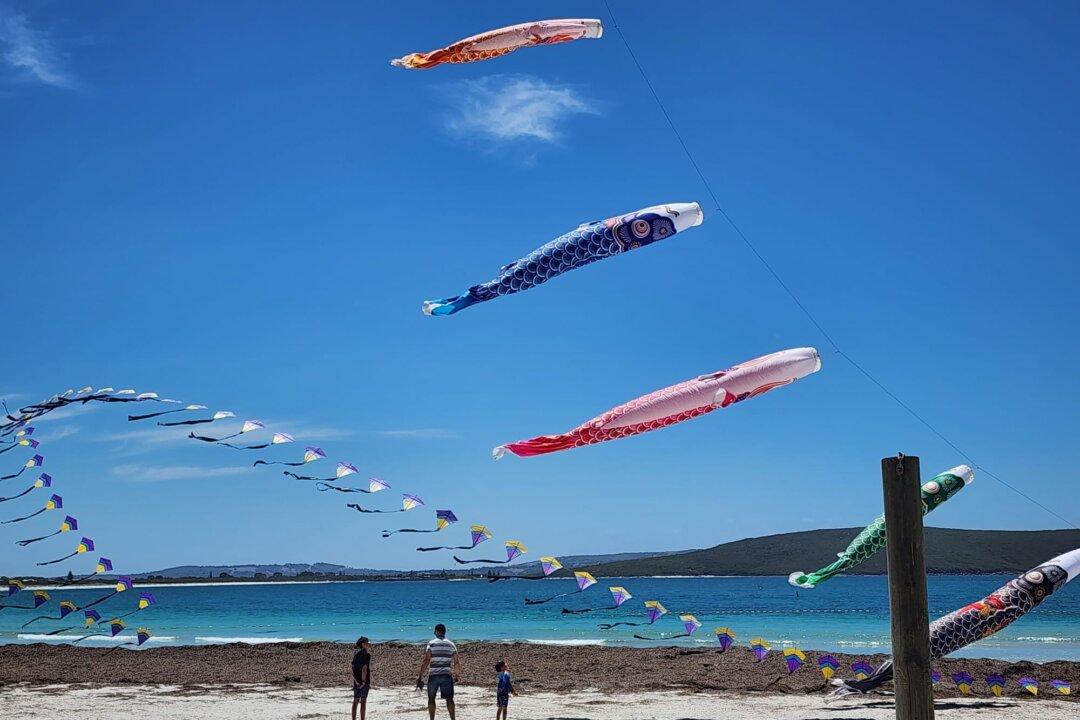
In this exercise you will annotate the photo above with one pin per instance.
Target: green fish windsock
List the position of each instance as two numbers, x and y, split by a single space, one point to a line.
872 539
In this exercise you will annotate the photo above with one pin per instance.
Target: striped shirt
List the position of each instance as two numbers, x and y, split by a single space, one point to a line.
442 655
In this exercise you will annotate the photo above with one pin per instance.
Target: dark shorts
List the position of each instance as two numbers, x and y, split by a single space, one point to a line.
443 684
360 692
502 699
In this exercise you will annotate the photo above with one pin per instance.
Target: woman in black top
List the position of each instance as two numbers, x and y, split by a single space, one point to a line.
361 677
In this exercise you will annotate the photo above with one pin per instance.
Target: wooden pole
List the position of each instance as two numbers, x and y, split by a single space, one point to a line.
907 588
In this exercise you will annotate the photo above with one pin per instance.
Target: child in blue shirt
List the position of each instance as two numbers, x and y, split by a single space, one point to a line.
504 690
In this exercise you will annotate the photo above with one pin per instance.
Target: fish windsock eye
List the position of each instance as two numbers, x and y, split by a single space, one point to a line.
640 228
1035 577
932 487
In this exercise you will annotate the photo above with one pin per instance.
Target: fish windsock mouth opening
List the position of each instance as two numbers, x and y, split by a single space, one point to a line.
682 215
1069 562
963 472
593 28
799 580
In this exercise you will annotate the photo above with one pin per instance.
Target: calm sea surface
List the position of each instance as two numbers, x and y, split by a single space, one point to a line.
847 614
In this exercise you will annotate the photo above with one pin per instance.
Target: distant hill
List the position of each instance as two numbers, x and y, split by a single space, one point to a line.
271 571
947 551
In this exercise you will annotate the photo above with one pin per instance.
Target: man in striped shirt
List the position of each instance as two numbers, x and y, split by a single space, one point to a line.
440 668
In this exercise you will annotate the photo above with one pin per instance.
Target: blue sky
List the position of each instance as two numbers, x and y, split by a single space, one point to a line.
244 205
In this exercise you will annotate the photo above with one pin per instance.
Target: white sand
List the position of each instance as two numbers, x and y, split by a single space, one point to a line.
266 703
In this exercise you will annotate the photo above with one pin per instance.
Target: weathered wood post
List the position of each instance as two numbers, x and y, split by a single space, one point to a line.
907 588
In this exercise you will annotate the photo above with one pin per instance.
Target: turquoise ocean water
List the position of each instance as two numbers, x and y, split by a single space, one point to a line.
848 614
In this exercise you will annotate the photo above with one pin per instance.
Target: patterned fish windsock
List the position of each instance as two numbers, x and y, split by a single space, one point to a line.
724 637
1062 686
872 538
679 402
996 683
619 595
760 648
1029 684
983 618
501 41
794 658
588 243
828 666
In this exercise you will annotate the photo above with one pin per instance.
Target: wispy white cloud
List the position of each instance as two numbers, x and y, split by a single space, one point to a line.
505 108
31 52
161 473
64 413
64 431
434 433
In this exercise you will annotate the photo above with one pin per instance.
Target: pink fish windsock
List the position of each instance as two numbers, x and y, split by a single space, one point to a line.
494 43
679 402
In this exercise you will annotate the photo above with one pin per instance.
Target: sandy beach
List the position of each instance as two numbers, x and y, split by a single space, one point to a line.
310 680
267 702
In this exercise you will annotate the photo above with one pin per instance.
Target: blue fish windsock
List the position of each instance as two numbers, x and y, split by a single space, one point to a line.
588 243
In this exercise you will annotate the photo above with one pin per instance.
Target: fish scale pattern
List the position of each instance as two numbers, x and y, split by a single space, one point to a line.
985 617
577 248
601 428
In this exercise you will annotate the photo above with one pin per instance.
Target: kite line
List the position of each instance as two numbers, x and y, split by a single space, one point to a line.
791 293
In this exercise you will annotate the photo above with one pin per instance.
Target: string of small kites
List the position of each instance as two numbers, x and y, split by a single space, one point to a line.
589 242
17 432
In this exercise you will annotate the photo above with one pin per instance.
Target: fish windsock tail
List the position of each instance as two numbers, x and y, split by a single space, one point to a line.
801 580
882 675
536 446
448 306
